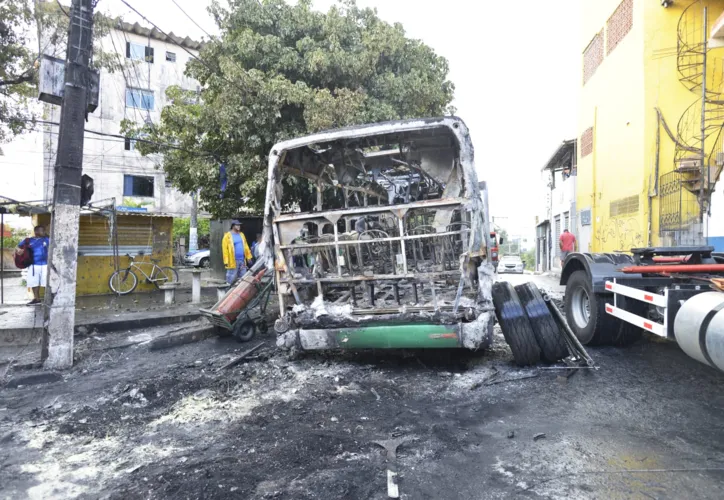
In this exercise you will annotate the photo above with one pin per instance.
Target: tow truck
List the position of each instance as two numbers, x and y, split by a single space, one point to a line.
676 293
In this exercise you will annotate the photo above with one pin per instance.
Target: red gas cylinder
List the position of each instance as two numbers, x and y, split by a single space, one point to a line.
239 297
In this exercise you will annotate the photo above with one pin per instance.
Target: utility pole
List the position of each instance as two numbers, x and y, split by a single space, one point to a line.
193 229
57 346
193 226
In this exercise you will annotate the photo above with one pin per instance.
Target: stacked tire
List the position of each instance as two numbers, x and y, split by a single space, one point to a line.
527 324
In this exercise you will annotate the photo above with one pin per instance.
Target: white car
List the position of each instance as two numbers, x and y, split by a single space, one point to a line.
511 264
199 258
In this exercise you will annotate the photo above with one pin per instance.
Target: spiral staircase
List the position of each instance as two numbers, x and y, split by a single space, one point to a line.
699 141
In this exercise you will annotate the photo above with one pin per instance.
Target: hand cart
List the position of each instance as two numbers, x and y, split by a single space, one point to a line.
251 317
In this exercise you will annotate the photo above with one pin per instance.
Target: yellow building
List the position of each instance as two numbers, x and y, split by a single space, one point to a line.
640 177
144 235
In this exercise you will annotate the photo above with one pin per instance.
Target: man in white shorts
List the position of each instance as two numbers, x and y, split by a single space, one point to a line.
38 271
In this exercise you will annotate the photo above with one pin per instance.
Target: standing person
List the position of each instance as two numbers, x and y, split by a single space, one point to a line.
235 251
255 247
38 270
567 244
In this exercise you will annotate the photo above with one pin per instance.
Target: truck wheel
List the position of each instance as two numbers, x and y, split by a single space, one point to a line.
587 317
515 325
547 333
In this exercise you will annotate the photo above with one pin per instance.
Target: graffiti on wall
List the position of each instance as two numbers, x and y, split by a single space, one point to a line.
619 234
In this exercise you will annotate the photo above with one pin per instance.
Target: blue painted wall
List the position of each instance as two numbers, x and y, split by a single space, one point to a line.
717 242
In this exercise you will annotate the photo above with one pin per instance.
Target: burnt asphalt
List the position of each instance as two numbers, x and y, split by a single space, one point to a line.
127 422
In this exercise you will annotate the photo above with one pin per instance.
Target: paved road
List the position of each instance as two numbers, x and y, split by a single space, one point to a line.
548 283
133 423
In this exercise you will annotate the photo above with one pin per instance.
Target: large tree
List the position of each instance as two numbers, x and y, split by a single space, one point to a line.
278 71
16 66
28 29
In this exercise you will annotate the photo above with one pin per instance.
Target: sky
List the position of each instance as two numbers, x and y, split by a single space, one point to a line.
517 73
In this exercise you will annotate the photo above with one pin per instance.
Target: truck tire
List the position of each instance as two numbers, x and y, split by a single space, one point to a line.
587 317
550 340
515 325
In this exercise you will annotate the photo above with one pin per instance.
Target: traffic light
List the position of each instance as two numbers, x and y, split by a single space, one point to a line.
86 189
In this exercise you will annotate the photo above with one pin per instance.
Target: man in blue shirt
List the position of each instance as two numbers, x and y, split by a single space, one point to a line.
38 270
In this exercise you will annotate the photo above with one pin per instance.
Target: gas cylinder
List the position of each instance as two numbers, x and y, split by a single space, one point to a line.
240 296
699 328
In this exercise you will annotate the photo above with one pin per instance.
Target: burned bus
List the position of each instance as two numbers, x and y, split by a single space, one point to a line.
387 245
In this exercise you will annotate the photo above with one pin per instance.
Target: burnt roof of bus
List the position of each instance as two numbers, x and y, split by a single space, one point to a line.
357 150
373 133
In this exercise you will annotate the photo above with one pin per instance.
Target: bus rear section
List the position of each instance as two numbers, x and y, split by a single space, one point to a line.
379 238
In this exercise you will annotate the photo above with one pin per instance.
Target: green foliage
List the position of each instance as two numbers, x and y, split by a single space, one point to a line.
29 28
279 71
129 201
528 259
181 226
16 66
17 236
502 235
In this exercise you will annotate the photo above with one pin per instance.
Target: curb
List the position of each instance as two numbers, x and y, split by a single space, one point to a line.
20 336
130 324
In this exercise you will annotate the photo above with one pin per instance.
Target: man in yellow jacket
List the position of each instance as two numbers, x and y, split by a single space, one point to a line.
236 252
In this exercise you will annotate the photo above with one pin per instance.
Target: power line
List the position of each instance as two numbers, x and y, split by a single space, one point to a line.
125 79
191 18
137 139
214 71
167 36
62 9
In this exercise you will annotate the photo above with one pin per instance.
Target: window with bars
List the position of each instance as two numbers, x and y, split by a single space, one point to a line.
624 206
592 56
587 142
619 24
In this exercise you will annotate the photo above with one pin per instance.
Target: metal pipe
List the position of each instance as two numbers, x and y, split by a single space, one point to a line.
703 114
675 268
570 337
671 260
459 294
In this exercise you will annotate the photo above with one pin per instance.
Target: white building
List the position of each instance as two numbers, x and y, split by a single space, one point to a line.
559 210
152 62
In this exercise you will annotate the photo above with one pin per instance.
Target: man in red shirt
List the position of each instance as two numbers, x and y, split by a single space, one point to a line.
567 244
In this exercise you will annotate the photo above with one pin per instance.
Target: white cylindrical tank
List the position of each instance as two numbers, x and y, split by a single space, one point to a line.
699 328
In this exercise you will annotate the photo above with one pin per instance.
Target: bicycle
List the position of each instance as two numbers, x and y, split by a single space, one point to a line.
124 281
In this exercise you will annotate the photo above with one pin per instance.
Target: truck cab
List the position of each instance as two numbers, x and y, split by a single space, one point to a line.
672 292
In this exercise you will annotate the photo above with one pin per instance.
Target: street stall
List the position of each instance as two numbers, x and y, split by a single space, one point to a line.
108 240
